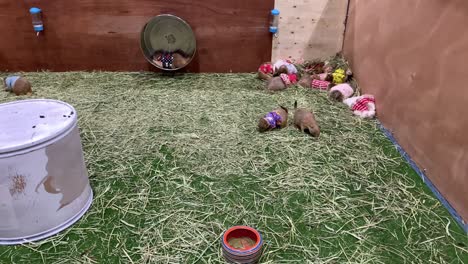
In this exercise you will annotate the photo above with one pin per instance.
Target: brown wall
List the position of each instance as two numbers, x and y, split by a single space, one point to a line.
413 56
104 34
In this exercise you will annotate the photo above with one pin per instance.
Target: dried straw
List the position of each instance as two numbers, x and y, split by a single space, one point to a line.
176 161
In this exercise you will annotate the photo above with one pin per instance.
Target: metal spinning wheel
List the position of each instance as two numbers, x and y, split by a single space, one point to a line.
168 42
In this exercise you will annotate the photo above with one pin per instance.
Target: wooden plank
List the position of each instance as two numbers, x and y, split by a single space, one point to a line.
309 28
232 36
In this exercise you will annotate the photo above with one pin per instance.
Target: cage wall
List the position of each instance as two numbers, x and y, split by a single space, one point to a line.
412 56
232 36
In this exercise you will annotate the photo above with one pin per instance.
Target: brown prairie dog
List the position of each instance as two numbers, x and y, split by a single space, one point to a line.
306 81
304 120
280 70
276 84
179 61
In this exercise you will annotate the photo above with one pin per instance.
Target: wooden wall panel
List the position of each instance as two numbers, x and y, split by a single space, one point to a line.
412 56
309 29
232 36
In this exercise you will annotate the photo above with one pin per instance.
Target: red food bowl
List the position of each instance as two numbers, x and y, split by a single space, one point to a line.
242 244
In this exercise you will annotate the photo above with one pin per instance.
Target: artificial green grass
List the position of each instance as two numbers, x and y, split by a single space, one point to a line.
175 161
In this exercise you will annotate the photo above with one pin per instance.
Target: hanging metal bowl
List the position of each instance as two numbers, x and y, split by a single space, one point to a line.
168 42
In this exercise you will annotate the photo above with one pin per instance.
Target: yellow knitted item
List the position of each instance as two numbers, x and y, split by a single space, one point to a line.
339 76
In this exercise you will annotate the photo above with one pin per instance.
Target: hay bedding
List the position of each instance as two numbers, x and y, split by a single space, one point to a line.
176 161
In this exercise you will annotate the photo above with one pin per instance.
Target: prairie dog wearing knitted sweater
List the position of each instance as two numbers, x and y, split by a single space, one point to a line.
341 92
18 85
307 79
284 66
265 71
362 106
278 118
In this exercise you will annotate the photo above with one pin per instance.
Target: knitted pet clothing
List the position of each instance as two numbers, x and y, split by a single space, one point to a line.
362 106
273 119
288 79
291 68
319 84
266 68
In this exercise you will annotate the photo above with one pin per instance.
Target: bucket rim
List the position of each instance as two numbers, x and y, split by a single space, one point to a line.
53 231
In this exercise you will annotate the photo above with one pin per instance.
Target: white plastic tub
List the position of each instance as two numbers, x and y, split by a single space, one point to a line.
44 185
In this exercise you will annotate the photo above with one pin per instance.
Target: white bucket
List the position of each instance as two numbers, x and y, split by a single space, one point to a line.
44 186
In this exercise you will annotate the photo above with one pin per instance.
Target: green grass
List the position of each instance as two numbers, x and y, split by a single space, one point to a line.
174 162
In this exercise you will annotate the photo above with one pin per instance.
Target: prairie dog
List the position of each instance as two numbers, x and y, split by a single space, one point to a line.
179 61
341 92
18 85
304 120
336 96
306 80
323 77
282 69
284 66
276 84
281 82
278 118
